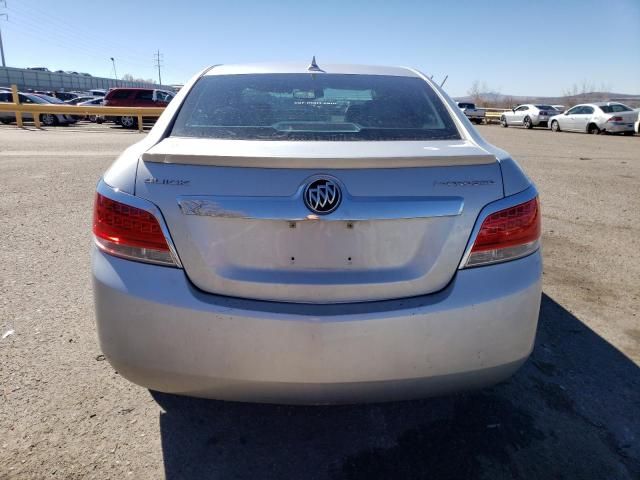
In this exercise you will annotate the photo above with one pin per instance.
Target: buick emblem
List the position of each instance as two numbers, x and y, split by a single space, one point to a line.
322 196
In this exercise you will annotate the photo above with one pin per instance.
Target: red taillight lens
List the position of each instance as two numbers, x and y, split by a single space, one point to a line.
130 232
508 234
615 119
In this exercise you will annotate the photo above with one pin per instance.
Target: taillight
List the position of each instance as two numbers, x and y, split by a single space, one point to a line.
130 232
507 234
615 119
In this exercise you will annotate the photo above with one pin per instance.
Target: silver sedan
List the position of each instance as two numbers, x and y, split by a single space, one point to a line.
320 234
528 116
594 118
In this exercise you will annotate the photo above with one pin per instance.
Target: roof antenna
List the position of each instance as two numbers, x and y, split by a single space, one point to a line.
313 67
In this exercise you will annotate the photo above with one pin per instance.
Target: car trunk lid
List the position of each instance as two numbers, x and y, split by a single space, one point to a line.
236 214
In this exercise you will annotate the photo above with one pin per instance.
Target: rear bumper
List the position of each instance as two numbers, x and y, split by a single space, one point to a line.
619 127
159 331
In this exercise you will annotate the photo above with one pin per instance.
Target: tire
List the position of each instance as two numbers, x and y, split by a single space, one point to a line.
593 129
503 121
555 126
99 120
128 122
628 134
49 120
6 121
527 123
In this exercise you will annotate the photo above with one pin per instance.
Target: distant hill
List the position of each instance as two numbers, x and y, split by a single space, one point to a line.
505 101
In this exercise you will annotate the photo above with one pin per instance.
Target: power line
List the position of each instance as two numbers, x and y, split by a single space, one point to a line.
157 57
79 32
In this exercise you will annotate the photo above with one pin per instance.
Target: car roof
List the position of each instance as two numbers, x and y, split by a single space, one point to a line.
131 88
303 67
604 104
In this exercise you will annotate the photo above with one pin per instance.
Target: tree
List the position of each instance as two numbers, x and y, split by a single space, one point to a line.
483 96
130 78
476 91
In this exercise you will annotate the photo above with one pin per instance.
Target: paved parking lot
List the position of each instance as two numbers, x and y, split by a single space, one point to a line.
571 412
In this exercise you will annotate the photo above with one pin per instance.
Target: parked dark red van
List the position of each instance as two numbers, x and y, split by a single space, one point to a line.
135 97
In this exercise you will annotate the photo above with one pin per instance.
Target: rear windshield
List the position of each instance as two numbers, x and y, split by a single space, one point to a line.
314 107
616 107
545 107
467 105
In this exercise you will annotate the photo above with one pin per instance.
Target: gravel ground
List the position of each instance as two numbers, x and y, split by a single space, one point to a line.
571 412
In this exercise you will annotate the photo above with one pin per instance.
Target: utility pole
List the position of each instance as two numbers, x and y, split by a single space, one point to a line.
6 17
157 57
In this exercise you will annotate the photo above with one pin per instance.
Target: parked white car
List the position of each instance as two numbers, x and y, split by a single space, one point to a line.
637 124
93 102
600 117
471 112
528 116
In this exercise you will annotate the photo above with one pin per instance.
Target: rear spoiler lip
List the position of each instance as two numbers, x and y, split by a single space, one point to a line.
317 155
321 162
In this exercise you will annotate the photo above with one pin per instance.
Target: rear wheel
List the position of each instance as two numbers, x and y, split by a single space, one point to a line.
503 121
528 124
128 122
48 119
6 121
555 126
593 129
628 134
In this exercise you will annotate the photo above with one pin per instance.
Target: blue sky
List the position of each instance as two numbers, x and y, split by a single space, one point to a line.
539 47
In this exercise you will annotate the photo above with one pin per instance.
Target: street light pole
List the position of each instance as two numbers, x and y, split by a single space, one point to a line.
115 74
6 17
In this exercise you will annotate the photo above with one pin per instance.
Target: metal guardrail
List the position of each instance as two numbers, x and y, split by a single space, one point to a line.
493 114
60 109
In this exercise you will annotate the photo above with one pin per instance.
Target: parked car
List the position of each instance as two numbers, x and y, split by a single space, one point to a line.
599 117
471 112
39 69
287 236
50 99
135 97
637 124
64 96
528 116
98 92
71 72
77 100
94 102
47 119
